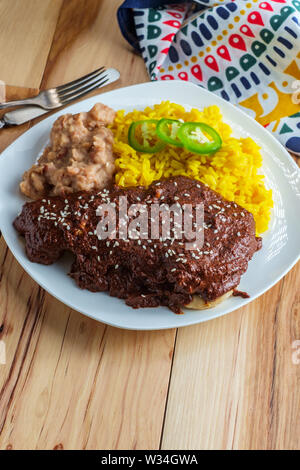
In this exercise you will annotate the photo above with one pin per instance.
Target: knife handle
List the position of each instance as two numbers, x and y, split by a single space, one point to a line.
18 116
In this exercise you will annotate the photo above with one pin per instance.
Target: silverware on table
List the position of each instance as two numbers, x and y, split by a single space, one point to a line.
55 98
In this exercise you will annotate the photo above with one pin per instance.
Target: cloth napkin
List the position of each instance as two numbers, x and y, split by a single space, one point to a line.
247 52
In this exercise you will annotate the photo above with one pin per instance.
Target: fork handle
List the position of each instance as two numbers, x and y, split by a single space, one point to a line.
9 104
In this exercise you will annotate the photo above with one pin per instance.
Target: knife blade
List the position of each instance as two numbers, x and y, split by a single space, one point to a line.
21 115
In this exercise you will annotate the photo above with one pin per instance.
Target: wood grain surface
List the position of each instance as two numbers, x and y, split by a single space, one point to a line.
10 93
72 383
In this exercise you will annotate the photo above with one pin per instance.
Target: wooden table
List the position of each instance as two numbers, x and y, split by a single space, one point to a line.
72 383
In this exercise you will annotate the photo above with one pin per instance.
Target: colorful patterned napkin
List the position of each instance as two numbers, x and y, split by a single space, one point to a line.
247 52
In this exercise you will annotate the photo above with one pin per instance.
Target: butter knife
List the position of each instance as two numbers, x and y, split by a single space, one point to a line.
19 116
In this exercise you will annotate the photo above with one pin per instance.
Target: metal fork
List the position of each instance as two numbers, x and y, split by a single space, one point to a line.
62 95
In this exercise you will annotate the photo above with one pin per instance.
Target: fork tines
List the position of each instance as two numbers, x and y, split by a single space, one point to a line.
82 86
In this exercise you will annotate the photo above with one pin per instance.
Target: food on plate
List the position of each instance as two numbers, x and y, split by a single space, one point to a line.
143 270
151 136
198 303
233 170
78 158
89 151
163 156
167 130
143 138
198 137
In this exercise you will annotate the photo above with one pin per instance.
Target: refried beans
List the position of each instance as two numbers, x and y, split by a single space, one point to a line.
78 158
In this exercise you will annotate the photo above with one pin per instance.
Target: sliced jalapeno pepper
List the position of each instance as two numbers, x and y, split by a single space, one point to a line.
143 138
199 137
167 130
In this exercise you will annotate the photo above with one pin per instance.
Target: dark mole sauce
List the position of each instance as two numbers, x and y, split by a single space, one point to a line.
144 272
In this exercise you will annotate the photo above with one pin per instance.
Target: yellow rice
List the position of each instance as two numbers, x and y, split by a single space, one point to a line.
232 171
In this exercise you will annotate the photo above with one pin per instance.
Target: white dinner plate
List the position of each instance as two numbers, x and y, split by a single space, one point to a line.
281 243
